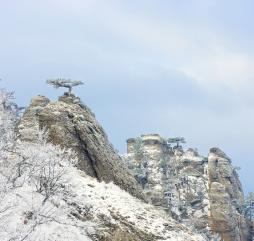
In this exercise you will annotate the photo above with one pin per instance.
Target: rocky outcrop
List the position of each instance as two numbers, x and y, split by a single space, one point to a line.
226 198
71 124
174 179
203 193
144 154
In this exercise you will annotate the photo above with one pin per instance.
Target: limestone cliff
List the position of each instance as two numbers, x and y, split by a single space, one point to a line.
226 198
204 193
71 124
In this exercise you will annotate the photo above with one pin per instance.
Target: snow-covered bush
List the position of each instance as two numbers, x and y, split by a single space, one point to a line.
32 172
8 118
40 164
43 165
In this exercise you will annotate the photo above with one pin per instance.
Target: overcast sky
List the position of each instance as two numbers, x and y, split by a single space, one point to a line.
177 68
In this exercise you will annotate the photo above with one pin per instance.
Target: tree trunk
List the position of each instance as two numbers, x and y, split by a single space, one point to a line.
70 90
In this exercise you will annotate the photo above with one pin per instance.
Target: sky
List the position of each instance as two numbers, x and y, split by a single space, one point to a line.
176 68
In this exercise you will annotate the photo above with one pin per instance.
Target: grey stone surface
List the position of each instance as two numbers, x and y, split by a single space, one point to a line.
203 193
71 124
226 198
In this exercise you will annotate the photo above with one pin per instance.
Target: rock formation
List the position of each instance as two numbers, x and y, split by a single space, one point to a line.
147 153
226 198
203 193
44 195
71 124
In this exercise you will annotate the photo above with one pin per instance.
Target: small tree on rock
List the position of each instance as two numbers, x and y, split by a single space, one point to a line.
66 83
176 140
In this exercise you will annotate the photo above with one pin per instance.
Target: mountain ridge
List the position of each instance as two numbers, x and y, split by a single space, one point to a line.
101 196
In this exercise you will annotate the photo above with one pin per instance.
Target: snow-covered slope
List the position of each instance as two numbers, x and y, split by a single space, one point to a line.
85 210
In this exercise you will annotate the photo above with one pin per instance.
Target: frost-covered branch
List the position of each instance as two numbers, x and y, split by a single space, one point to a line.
42 164
8 119
66 83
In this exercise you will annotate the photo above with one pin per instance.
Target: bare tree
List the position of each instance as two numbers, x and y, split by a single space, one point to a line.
42 164
8 119
32 177
65 83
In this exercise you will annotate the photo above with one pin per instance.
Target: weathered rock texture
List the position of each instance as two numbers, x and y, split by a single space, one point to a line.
146 153
226 198
203 193
71 124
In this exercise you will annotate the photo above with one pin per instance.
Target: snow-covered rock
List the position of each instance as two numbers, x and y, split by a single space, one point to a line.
202 193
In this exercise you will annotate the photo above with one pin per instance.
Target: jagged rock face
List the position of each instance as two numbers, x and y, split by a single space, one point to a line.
153 148
204 193
188 188
71 124
174 179
226 198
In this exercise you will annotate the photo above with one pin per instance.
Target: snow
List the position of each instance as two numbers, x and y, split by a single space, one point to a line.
108 198
83 191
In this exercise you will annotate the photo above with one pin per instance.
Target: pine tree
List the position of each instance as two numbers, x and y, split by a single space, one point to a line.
176 140
65 83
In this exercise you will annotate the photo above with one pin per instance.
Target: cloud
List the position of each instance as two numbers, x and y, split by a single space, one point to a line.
116 34
223 69
205 55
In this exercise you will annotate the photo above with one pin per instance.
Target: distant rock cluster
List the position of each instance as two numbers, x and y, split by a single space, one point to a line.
204 193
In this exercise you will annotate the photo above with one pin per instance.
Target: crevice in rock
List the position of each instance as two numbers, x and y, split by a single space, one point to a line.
83 145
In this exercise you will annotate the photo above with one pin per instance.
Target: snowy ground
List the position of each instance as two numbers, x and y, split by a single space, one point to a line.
82 209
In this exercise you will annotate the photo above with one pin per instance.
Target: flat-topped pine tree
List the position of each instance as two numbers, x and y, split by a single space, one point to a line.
65 83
